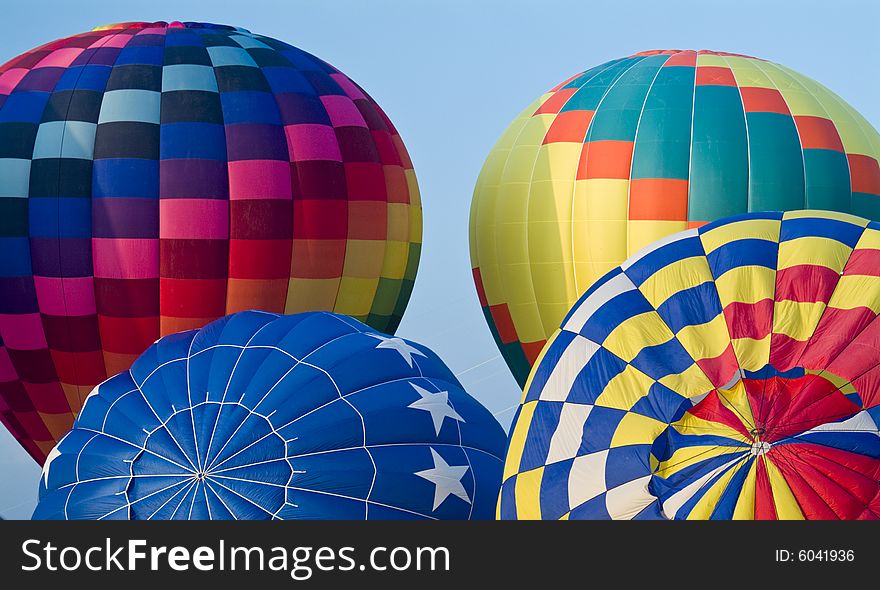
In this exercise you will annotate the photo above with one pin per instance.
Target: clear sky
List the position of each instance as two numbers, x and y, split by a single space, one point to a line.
452 74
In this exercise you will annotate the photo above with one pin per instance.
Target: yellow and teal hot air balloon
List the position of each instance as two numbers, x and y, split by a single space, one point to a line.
641 147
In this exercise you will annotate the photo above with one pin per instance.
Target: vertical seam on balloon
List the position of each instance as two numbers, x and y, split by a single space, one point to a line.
793 122
742 104
797 78
691 140
386 202
635 138
283 301
208 462
129 32
298 361
78 386
584 153
584 149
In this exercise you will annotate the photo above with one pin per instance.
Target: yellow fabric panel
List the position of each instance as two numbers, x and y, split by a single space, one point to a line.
600 199
795 319
398 222
527 491
310 294
704 507
687 456
636 429
752 354
858 136
557 161
550 202
527 319
396 256
705 341
551 315
690 383
692 425
736 400
813 250
565 516
634 334
747 73
415 208
745 504
599 242
518 439
800 100
817 214
708 59
511 243
363 258
675 277
549 242
854 291
355 296
870 239
746 284
787 507
759 229
625 389
643 232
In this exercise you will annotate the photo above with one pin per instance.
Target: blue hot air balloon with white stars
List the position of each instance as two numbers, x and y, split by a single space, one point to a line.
261 416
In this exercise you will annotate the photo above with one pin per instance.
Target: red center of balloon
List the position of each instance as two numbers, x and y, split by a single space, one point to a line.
778 407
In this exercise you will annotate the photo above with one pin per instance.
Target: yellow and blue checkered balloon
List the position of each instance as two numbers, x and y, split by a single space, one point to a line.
729 371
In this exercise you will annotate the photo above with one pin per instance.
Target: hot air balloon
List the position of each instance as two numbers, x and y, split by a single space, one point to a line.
260 416
725 372
639 148
156 176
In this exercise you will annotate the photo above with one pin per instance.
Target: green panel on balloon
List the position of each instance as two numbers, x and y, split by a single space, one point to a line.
827 175
719 155
618 118
776 163
662 148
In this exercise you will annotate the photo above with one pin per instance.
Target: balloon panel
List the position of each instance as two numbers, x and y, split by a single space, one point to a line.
638 148
728 371
260 416
156 176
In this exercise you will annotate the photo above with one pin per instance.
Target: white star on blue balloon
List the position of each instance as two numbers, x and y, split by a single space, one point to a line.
446 479
400 345
436 404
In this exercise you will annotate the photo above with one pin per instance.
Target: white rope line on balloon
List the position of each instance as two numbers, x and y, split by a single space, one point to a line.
245 498
164 425
478 365
183 499
170 498
297 363
373 502
192 415
225 390
128 504
220 499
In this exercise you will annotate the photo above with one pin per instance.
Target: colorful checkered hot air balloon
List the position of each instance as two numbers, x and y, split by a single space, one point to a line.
639 148
258 416
730 371
156 176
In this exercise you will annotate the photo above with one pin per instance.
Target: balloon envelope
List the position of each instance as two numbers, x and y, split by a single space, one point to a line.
156 176
729 371
641 147
257 416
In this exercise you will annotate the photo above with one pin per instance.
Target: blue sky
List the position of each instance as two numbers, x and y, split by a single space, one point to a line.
452 74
